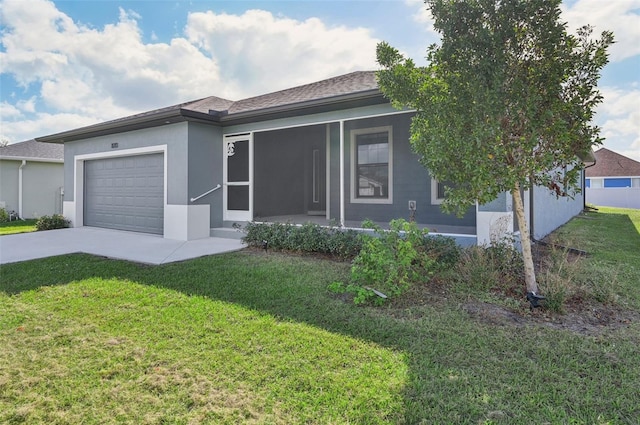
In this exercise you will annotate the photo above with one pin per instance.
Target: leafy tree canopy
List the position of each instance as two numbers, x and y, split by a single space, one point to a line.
506 99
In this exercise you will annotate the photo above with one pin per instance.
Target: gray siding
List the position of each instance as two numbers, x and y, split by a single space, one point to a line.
41 182
205 168
411 181
550 212
9 184
174 136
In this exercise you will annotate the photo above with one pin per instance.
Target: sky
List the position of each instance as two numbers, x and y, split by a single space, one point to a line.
70 63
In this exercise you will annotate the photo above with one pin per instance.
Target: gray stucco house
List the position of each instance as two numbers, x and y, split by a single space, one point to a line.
32 178
331 151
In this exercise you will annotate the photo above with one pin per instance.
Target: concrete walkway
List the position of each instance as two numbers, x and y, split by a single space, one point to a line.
131 246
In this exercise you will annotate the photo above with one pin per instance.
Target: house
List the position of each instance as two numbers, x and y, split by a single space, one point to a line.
613 181
31 178
331 151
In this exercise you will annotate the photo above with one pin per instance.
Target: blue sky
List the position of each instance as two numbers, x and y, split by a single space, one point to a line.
67 64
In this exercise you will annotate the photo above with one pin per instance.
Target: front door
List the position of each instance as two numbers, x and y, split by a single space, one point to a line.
238 175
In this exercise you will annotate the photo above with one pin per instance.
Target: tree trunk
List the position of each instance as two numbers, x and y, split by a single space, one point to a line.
525 241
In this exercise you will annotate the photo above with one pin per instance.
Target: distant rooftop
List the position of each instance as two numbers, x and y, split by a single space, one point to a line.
611 164
33 150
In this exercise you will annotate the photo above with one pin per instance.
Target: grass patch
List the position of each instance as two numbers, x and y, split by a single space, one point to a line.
17 226
611 236
255 337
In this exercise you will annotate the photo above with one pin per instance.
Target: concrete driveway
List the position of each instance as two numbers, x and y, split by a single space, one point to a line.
131 246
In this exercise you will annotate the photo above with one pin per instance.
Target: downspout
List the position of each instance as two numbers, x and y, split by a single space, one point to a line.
341 173
24 162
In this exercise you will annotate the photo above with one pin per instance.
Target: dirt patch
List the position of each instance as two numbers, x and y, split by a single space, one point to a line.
588 320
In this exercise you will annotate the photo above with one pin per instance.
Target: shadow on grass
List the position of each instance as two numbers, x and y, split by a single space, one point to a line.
460 371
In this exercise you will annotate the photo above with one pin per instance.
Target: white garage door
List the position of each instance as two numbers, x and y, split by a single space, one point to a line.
125 193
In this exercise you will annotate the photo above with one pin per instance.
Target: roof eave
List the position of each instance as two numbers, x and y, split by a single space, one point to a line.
129 124
30 159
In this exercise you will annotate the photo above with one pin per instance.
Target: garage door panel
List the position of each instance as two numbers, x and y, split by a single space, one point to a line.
125 193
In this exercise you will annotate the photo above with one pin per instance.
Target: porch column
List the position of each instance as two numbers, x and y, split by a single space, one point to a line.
341 173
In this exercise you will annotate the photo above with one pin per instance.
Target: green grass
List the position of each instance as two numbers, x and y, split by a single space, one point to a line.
612 238
257 338
17 226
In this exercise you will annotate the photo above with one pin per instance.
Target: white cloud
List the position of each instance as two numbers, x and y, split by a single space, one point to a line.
259 52
619 118
104 73
620 16
8 110
422 15
28 105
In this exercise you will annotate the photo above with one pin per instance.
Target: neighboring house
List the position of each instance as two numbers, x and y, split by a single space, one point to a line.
331 151
32 178
614 180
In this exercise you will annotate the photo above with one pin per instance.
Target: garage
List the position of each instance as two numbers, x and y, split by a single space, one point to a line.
125 193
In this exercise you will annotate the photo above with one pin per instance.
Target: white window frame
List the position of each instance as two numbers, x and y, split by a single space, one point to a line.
635 182
434 193
354 185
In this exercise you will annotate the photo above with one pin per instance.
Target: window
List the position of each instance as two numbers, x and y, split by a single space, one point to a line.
635 181
595 183
371 166
437 192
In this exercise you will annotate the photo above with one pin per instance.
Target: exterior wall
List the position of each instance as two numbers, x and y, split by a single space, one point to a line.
623 197
41 186
205 169
181 220
9 184
550 212
411 181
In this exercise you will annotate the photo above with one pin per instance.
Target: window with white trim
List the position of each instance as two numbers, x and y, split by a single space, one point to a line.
371 165
437 192
635 181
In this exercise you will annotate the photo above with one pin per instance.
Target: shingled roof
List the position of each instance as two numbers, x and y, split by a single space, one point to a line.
611 164
32 150
355 82
333 92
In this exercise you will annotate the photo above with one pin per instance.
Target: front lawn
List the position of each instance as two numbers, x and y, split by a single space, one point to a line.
17 226
255 337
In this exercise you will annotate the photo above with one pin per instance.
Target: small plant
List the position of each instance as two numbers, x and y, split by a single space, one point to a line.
496 268
4 215
389 262
56 221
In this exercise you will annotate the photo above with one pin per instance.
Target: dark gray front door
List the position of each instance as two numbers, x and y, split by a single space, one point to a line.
125 193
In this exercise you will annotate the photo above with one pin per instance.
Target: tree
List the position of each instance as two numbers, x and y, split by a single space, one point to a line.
504 103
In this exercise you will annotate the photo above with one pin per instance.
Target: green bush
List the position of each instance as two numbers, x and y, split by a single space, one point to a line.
308 237
391 261
55 221
4 215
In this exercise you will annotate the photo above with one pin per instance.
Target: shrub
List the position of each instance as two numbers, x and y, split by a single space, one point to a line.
309 237
55 221
390 262
4 215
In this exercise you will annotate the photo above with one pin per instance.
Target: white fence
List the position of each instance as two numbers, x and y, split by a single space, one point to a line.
620 197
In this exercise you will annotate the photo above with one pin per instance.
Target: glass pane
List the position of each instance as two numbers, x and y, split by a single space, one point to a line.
373 165
238 161
238 198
